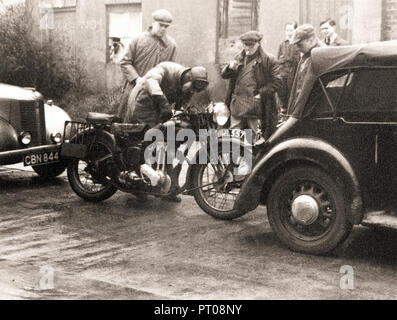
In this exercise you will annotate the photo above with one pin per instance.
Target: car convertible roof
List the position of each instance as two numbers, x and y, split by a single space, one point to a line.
377 54
328 59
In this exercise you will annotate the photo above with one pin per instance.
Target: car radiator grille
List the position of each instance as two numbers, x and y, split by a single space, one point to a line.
32 120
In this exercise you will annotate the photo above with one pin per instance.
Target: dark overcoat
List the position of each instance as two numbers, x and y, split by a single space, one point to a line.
268 81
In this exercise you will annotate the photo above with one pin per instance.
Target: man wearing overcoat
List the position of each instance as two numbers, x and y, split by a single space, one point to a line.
254 79
146 51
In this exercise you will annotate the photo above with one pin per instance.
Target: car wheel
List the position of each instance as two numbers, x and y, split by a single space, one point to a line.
306 210
50 170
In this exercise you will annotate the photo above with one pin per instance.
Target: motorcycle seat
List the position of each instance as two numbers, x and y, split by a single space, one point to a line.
102 118
125 128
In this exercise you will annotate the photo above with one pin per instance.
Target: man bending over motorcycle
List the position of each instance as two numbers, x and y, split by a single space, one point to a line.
150 101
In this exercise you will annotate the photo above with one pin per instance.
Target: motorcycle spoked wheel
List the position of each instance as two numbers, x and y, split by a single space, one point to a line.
85 178
217 187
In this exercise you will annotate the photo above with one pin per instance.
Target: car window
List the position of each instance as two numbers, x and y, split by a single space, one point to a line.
371 96
334 84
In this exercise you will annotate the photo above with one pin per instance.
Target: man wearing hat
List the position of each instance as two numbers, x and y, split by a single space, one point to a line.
305 40
145 52
254 79
150 101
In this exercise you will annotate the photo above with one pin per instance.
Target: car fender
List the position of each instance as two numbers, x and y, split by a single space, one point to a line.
301 150
8 136
55 119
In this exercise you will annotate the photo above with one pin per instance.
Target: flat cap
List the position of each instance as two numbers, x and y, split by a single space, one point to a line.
303 32
162 16
251 36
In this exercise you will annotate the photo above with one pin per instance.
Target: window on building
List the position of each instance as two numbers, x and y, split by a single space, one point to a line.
57 3
124 22
235 18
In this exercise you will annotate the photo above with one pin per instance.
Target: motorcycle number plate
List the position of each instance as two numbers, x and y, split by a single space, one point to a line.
234 133
41 158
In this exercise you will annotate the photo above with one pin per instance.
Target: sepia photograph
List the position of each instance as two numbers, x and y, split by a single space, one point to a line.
198 155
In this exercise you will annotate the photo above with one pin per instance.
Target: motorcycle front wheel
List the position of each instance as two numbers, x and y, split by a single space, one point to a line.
217 185
86 176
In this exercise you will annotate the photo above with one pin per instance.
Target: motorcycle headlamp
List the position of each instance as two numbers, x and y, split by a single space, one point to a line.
56 138
221 113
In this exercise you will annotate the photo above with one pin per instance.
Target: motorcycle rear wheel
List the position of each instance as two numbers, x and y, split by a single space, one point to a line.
87 185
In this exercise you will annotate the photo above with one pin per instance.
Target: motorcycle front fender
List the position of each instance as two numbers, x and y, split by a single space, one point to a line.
194 158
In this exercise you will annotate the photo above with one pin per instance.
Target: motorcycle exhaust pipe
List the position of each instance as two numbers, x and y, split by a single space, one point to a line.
154 176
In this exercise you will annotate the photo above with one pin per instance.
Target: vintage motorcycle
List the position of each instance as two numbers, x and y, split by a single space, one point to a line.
105 155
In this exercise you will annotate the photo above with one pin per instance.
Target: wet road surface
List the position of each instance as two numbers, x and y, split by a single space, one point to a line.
122 249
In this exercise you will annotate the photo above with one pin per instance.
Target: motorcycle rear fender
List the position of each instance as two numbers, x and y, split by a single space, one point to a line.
301 151
107 137
79 150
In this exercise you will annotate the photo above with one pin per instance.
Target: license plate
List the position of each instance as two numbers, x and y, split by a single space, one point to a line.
233 133
41 158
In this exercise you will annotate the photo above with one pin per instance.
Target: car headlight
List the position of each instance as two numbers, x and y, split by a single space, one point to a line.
25 138
56 138
221 113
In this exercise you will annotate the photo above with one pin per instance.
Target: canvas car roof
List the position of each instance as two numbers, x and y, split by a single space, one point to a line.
377 54
329 59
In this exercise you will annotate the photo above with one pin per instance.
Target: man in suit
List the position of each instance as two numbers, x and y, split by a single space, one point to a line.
254 79
331 38
288 58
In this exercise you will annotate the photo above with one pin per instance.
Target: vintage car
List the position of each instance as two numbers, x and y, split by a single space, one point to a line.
30 130
333 163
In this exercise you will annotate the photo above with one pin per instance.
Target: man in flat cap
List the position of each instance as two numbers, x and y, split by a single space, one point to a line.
145 52
254 79
305 40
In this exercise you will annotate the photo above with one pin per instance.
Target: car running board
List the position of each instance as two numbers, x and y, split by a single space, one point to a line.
384 219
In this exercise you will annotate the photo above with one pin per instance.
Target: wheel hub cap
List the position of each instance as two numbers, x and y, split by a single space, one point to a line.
305 210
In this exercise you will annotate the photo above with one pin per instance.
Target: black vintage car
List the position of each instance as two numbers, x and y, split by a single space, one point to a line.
333 163
30 130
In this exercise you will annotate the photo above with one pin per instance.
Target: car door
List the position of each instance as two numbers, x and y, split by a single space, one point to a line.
369 104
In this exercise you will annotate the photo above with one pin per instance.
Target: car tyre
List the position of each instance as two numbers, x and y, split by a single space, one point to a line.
329 225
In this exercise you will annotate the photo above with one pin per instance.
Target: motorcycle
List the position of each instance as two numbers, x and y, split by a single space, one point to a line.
105 155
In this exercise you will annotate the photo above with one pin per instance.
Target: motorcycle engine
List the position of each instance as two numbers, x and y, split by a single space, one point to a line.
133 156
158 180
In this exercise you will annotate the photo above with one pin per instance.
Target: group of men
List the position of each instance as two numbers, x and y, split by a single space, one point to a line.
155 83
294 57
